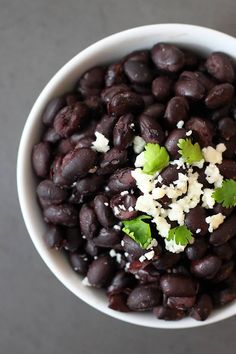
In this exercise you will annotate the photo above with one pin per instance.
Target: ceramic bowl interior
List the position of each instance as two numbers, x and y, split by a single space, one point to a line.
199 39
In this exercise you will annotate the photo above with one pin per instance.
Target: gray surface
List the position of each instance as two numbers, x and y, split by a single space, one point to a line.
37 314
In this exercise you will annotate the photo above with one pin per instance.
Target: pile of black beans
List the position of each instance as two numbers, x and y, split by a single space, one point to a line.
145 93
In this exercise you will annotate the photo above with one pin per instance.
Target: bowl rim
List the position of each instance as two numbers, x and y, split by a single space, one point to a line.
26 210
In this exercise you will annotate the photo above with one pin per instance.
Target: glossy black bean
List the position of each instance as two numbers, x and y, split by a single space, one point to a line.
54 237
220 66
103 211
138 72
52 108
178 285
155 111
91 249
72 98
148 100
172 141
79 263
123 132
122 281
89 185
105 126
48 193
190 59
196 250
224 272
224 252
190 88
85 132
126 102
225 232
202 308
151 130
181 303
109 92
218 208
165 313
224 296
85 143
166 261
123 206
196 219
73 239
228 169
55 172
144 297
132 248
108 238
88 222
112 160
227 128
115 75
63 214
64 147
167 57
206 81
170 174
162 88
217 114
92 82
140 56
41 158
219 96
117 302
94 104
206 267
101 271
121 180
177 110
230 151
51 136
202 130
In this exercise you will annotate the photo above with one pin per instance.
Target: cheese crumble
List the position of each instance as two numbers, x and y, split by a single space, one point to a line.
101 144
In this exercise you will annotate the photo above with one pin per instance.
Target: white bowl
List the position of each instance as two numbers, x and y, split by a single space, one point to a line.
200 39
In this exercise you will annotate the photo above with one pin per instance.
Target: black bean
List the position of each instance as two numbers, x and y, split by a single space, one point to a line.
232 246
54 237
117 302
89 185
228 169
85 132
94 104
220 66
170 174
225 232
224 296
72 98
79 263
115 75
91 249
172 141
155 111
73 240
206 267
64 147
162 88
190 88
122 281
148 100
88 222
41 158
202 308
165 313
219 96
121 180
224 272
92 82
112 160
144 297
206 81
48 193
126 102
51 136
196 250
123 132
108 238
52 108
151 130
166 261
190 59
101 271
196 219
202 130
227 128
230 151
109 92
217 114
224 251
63 214
105 125
181 303
132 248
178 285
218 208
123 206
103 211
140 56
77 163
85 143
55 172
167 57
138 72
177 110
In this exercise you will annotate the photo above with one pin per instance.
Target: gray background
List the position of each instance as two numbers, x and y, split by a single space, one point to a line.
37 314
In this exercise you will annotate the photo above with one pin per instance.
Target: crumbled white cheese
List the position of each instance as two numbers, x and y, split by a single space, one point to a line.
180 124
144 182
122 207
101 144
162 226
198 231
179 163
199 164
85 282
124 193
213 175
140 160
138 144
106 204
176 213
142 259
214 155
215 221
107 189
122 243
147 204
117 227
159 179
130 209
118 258
116 210
126 254
207 201
171 246
189 132
112 253
152 244
158 192
127 266
149 255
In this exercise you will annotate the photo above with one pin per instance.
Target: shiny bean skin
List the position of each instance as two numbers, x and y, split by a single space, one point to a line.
219 96
89 185
230 151
105 126
228 169
166 261
63 214
51 110
103 211
181 303
172 140
138 72
206 267
41 158
84 143
218 208
54 237
55 172
64 147
126 102
86 132
178 285
48 193
151 130
51 136
170 174
79 263
91 249
162 88
122 281
109 92
115 75
165 313
155 111
117 302
202 308
225 232
108 238
167 57
123 206
196 250
92 82
206 81
227 128
121 180
112 160
177 110
123 132
132 248
101 271
224 252
140 56
196 219
144 298
191 89
219 65
202 130
73 240
88 222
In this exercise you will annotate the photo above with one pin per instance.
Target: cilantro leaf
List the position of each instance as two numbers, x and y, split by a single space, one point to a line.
156 158
138 230
190 152
181 235
226 194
